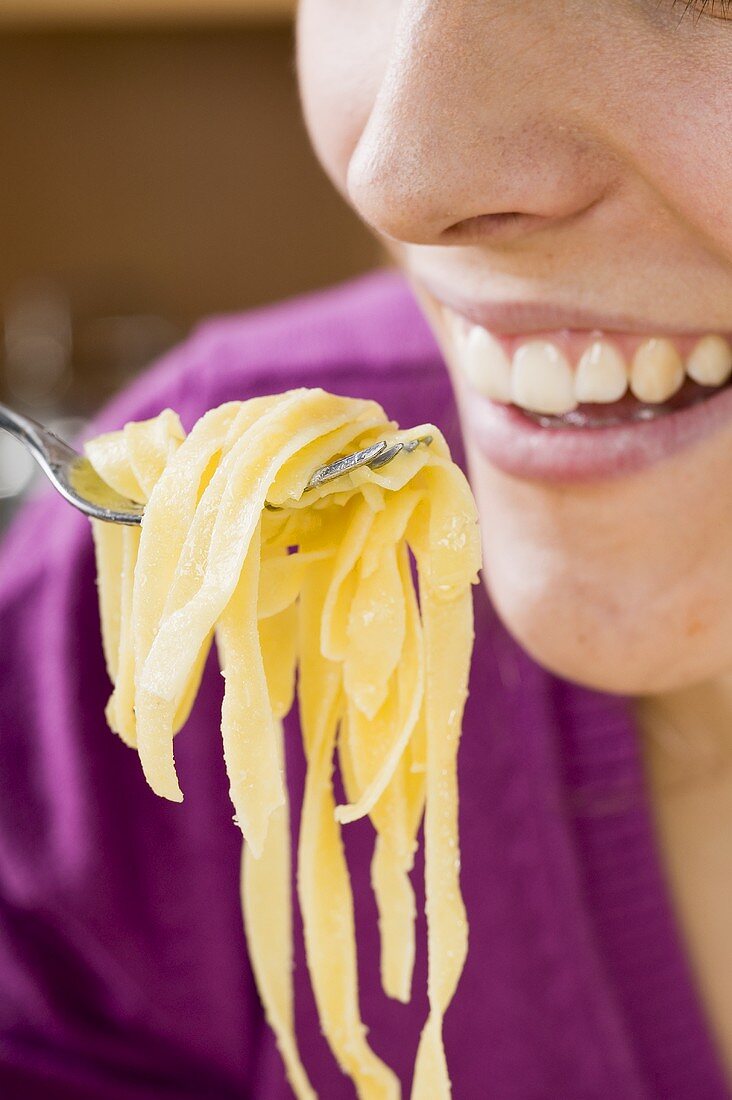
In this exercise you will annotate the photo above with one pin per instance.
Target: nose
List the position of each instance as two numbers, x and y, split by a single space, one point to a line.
474 133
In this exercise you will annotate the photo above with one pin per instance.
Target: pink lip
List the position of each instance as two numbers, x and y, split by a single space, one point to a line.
511 442
507 318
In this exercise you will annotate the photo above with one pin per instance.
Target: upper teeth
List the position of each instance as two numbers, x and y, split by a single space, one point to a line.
486 365
710 363
657 371
601 374
541 379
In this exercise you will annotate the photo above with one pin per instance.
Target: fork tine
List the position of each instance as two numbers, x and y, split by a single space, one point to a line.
377 455
346 464
390 453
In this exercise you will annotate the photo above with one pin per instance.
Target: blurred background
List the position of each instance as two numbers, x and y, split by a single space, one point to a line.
155 171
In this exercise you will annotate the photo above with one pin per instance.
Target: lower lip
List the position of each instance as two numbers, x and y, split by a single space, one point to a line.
513 443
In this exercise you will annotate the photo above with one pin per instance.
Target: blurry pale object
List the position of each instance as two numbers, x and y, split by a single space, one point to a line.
37 343
34 12
20 477
16 467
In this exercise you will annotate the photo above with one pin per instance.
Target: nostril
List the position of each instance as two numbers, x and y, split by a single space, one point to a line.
496 226
506 226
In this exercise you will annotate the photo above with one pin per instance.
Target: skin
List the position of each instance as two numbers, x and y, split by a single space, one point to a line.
581 154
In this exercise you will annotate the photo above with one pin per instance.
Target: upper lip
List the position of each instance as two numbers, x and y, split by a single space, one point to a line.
509 318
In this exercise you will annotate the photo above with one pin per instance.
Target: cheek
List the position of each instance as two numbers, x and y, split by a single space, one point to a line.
678 136
342 51
698 184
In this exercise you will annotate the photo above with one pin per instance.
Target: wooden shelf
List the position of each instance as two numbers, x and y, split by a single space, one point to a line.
41 14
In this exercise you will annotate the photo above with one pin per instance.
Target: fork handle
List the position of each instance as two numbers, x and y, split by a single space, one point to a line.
46 448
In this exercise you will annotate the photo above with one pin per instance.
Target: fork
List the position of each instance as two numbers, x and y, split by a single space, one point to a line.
74 477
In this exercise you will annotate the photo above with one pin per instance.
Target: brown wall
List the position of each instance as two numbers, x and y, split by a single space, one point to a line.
159 173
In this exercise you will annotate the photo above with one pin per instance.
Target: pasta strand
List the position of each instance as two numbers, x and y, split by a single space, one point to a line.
267 911
313 587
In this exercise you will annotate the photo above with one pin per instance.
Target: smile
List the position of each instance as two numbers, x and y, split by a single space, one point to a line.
572 404
556 374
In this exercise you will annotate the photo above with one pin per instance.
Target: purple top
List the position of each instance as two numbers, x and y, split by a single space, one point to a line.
123 972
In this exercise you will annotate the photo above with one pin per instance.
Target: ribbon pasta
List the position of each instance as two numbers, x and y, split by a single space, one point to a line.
317 584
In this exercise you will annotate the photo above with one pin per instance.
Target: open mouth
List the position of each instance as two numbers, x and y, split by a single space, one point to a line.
574 379
573 405
626 409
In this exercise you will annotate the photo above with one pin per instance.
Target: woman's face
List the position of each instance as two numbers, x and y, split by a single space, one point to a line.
558 174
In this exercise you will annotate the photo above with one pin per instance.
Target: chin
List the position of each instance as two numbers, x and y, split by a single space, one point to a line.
598 635
579 651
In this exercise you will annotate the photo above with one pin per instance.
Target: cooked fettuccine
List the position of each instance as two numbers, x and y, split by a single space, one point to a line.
317 582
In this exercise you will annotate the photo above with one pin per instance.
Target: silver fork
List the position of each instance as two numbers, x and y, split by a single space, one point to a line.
73 476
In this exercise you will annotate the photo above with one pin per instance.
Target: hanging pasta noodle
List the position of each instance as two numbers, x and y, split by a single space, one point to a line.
317 582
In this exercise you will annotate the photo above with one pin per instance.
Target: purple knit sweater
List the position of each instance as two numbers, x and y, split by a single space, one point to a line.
123 970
